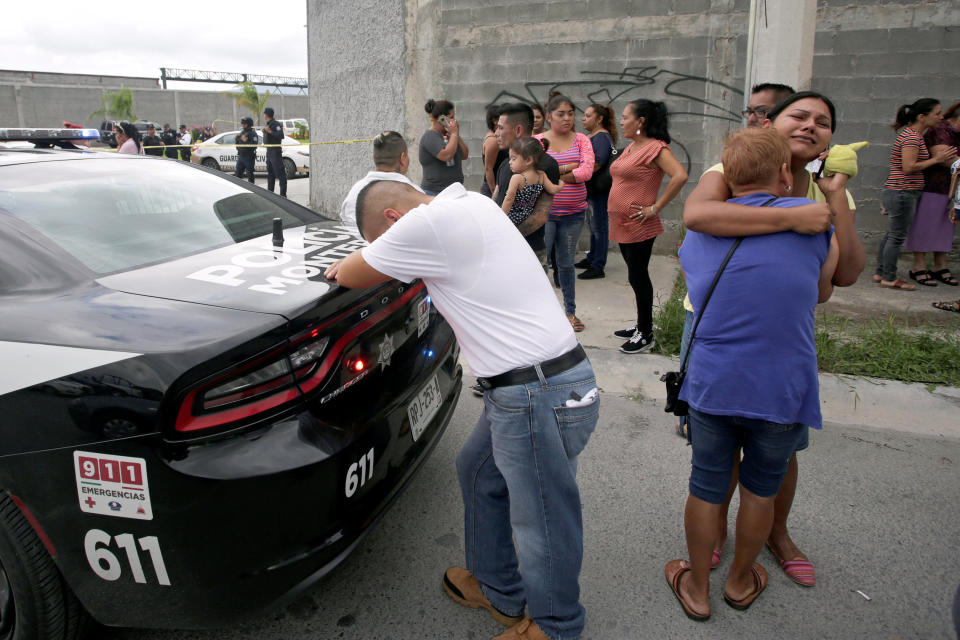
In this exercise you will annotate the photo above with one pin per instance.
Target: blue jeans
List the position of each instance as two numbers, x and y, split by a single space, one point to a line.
517 473
767 449
900 206
599 232
561 235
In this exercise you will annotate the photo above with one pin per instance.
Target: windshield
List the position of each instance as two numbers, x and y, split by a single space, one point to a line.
118 214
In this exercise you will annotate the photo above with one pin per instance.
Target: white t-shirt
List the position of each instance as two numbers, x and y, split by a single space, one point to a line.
348 210
185 137
483 278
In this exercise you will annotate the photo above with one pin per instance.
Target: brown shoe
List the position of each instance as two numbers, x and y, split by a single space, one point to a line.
465 590
526 629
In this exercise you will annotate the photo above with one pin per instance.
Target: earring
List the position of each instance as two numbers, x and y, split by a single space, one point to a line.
789 188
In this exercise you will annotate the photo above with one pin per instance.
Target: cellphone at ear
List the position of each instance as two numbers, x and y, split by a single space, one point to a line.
815 167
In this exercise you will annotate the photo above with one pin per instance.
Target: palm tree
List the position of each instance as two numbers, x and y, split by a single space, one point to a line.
117 105
249 98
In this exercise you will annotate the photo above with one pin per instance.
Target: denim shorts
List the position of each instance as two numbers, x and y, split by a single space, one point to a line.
767 449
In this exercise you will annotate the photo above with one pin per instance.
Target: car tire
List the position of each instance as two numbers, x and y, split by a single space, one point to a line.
290 168
35 602
210 163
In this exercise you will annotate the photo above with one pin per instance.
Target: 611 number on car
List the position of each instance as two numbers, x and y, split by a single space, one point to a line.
106 564
365 467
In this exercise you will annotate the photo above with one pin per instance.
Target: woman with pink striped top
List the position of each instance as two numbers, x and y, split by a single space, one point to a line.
574 153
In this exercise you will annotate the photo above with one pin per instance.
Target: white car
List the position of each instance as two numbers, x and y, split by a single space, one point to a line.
220 153
290 126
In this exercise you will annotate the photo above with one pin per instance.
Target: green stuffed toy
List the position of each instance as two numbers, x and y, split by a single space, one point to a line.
843 159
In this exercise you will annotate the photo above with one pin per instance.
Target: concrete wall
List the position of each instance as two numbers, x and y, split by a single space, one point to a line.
27 102
870 56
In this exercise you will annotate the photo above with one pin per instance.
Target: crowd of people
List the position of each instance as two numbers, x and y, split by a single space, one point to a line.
770 233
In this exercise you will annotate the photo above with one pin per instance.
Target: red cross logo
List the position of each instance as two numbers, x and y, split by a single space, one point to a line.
90 502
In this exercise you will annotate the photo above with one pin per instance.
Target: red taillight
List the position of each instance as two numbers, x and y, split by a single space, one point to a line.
266 384
279 377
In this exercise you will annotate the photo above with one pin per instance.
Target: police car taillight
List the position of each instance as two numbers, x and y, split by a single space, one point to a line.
47 135
266 384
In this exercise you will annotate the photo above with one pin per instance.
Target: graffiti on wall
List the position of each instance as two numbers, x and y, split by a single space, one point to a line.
606 87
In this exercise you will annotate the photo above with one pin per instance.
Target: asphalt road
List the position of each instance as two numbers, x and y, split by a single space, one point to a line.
877 511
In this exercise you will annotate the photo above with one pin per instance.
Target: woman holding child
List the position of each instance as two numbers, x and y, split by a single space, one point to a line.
752 376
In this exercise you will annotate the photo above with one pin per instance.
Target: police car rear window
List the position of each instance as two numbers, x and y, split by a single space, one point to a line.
120 214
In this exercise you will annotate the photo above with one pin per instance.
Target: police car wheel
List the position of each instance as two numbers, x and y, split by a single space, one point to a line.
290 168
34 600
210 163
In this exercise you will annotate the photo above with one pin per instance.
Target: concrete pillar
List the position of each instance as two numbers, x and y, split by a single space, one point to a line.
372 65
16 96
783 43
176 111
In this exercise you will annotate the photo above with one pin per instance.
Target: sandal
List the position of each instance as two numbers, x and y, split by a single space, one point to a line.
759 582
800 569
944 276
898 284
877 278
575 323
715 559
946 305
923 277
675 570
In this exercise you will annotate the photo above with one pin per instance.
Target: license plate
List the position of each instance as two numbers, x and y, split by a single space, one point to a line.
424 407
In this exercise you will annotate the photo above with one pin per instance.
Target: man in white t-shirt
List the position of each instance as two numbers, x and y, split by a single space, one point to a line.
391 160
540 399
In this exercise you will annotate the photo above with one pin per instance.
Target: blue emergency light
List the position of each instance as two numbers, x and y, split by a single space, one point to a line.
47 135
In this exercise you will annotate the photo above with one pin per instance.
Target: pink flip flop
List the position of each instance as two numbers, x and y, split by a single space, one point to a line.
799 570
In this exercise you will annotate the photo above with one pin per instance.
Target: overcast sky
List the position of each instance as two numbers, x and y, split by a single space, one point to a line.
114 37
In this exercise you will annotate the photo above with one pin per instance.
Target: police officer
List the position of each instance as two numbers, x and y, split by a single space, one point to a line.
170 141
246 156
152 140
273 134
185 140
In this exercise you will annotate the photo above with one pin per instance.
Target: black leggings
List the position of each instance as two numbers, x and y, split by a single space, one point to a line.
637 257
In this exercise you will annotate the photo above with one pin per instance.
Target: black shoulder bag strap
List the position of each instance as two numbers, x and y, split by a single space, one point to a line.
713 285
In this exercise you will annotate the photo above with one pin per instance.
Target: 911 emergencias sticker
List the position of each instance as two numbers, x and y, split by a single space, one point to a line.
109 485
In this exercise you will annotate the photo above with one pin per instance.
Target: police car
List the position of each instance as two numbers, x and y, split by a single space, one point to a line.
219 153
195 423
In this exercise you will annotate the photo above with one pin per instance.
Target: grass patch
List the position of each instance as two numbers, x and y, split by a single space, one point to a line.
893 349
668 323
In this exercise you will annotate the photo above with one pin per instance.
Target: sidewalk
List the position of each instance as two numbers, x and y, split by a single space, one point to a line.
607 304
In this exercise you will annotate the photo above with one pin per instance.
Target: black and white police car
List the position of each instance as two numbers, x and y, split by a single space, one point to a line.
194 423
220 152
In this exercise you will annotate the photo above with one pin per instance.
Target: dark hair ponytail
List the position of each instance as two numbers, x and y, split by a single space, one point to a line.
605 112
557 99
437 108
654 116
530 148
908 113
131 132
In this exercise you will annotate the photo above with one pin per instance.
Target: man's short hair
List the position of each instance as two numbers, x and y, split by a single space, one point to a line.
268 111
518 113
374 198
754 156
387 148
780 91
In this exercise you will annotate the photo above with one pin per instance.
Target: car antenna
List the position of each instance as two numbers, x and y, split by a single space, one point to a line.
277 232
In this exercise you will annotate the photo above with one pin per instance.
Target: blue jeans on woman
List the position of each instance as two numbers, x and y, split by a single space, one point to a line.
518 475
900 206
561 235
599 232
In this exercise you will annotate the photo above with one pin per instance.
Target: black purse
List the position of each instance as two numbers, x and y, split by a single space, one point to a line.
602 180
674 379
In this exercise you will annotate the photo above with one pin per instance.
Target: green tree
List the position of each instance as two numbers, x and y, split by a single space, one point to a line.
117 105
249 98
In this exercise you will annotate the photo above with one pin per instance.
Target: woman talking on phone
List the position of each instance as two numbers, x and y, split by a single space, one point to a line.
442 150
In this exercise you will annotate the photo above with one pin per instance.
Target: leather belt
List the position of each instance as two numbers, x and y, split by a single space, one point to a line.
525 375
